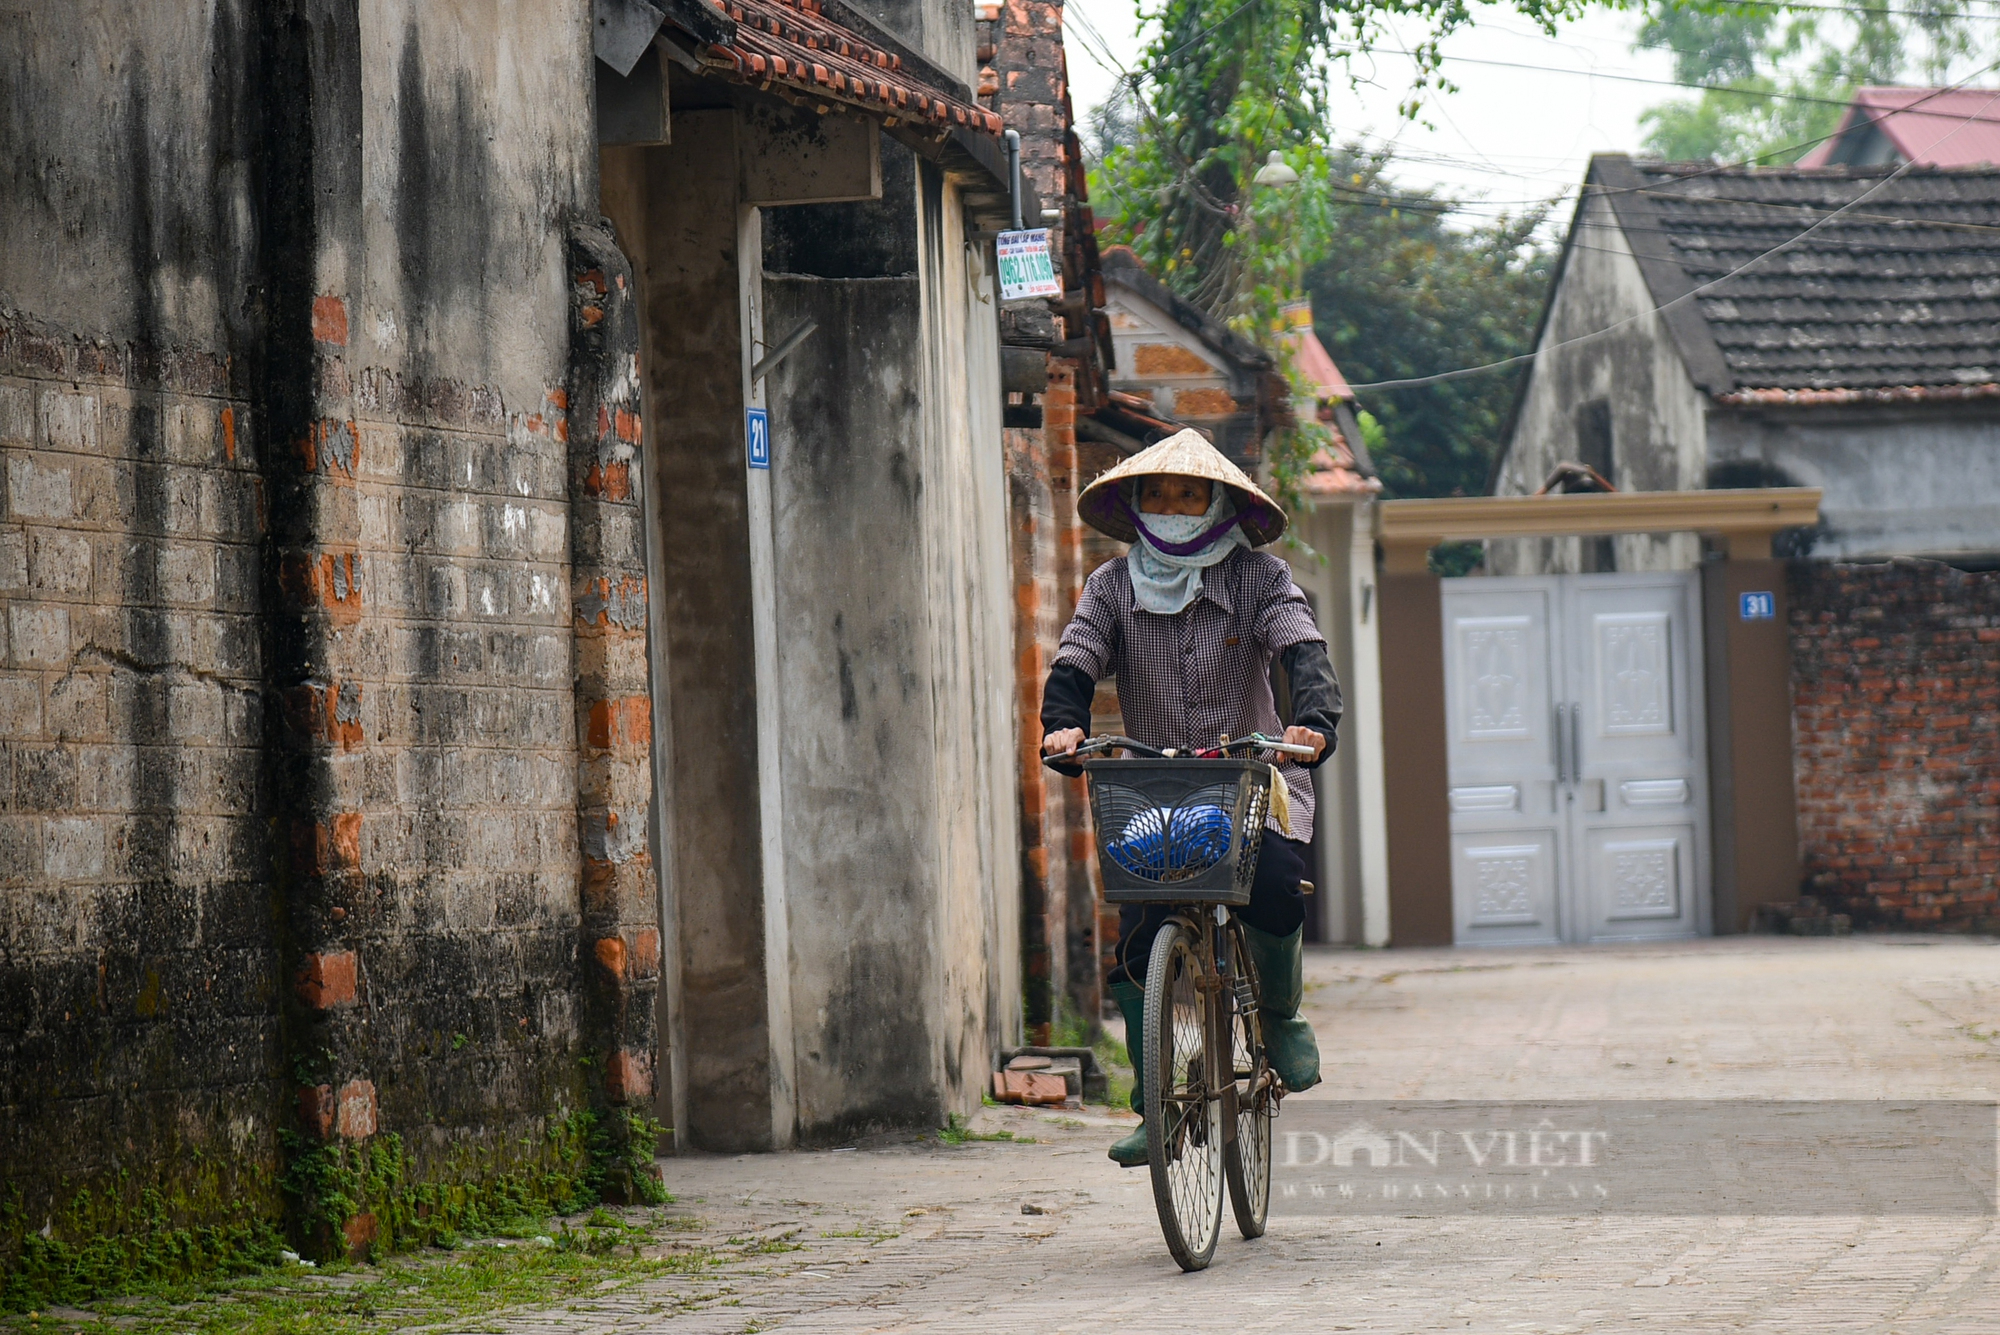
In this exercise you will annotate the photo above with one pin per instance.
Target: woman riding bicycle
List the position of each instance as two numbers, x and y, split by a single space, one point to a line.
1188 622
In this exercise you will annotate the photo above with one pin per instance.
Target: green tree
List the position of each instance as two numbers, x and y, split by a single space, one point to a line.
1222 84
1778 82
1401 290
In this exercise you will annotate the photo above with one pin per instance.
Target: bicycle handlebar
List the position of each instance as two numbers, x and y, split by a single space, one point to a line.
1256 741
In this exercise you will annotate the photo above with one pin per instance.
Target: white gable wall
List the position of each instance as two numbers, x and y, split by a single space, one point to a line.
1657 415
1163 360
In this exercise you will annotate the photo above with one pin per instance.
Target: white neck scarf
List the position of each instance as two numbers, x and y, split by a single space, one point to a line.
1164 583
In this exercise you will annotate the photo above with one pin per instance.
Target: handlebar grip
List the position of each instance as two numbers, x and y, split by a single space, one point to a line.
1096 746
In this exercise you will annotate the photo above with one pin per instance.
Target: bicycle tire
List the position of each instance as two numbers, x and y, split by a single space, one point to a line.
1247 1158
1183 1121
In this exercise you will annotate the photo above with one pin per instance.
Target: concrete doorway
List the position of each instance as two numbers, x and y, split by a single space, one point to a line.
1577 758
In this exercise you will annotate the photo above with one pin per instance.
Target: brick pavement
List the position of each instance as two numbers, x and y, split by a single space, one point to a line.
900 1236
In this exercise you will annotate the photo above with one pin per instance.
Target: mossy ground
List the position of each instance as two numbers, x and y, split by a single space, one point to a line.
550 1263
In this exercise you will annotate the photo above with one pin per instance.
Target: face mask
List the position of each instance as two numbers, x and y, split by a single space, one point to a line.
1172 551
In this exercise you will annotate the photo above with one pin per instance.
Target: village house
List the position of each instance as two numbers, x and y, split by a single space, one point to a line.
1933 127
1859 358
1818 341
503 586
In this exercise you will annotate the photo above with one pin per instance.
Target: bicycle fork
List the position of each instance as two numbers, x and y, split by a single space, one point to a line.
1229 990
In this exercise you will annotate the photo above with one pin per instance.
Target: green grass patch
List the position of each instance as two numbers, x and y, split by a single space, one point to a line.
865 1233
116 1238
1116 1064
1071 1030
562 1265
955 1131
768 1246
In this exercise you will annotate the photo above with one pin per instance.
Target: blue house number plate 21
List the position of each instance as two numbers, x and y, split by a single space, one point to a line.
1759 606
757 427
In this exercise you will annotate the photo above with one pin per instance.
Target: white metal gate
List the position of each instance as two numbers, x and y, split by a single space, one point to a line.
1579 766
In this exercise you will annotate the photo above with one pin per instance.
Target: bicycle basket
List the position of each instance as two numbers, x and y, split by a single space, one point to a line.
1180 831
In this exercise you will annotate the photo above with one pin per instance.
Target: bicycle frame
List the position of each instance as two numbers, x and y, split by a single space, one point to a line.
1233 989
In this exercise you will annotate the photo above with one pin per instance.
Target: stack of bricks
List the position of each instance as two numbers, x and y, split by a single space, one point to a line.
1896 709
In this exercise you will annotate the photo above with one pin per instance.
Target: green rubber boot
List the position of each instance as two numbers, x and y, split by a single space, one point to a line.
1289 1040
1129 1151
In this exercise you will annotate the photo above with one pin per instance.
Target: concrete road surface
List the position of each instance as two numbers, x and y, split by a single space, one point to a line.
902 1235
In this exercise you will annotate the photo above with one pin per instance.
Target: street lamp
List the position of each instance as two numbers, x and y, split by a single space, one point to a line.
1275 172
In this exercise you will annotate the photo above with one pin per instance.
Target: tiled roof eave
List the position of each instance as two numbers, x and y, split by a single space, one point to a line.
1829 398
790 44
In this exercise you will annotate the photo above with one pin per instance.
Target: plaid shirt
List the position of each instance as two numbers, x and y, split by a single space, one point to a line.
1185 679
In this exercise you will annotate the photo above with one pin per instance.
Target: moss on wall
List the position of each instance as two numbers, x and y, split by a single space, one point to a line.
332 1199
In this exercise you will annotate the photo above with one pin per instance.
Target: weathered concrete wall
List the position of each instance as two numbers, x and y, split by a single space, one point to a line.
440 291
840 882
678 207
939 30
138 952
860 754
899 870
1896 727
1338 574
1898 482
971 640
290 701
1655 410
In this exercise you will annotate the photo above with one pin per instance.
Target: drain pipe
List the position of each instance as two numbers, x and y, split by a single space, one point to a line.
1013 138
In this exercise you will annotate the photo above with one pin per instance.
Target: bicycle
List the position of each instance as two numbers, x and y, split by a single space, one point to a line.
1185 828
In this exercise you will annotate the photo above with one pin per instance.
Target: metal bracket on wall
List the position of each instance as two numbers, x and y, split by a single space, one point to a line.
786 346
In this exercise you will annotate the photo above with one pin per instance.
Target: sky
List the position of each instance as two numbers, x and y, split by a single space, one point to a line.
1506 138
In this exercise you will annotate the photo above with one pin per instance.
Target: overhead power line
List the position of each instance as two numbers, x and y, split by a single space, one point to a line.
1442 377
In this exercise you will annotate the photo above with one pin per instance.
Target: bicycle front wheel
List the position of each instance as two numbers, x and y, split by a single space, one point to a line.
1183 1116
1248 1158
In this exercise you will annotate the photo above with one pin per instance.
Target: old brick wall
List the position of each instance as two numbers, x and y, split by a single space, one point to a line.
323 724
139 1043
1896 715
1058 929
1067 931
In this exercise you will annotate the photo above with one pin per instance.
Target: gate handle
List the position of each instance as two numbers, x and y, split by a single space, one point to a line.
1562 775
1576 742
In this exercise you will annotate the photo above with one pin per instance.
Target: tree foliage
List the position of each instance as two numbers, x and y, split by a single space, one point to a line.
1400 291
1222 84
1779 80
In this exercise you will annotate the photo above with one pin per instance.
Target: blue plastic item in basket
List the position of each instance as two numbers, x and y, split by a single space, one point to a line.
1162 846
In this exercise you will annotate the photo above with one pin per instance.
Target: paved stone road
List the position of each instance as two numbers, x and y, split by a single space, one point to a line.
900 1236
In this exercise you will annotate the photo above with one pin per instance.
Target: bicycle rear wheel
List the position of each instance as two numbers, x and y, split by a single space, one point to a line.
1247 1160
1183 1120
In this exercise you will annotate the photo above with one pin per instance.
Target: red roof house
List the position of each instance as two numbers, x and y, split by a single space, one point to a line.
1933 127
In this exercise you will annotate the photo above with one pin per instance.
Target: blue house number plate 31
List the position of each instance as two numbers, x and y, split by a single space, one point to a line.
1759 606
757 428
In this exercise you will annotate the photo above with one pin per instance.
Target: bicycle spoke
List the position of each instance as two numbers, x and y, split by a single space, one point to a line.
1184 1116
1249 1157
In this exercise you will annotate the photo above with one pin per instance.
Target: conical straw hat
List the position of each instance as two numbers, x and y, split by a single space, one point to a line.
1103 505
